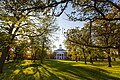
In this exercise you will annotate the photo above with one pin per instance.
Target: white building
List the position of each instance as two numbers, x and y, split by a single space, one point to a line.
60 53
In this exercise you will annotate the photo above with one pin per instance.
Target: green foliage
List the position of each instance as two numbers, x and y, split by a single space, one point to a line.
96 39
40 54
18 26
94 10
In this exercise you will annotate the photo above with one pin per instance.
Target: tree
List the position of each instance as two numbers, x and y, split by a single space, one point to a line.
15 21
106 35
102 35
16 15
73 36
95 10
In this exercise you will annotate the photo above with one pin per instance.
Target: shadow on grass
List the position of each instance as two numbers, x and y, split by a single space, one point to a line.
105 63
80 72
20 71
116 63
53 70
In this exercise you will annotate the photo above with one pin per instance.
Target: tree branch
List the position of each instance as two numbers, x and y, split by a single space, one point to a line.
62 10
111 2
94 46
50 5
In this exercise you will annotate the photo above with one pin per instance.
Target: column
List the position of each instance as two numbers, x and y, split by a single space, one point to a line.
56 55
63 56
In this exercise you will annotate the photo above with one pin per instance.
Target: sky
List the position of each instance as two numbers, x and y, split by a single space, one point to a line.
64 24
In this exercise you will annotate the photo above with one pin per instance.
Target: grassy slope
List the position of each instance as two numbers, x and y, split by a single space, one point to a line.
60 70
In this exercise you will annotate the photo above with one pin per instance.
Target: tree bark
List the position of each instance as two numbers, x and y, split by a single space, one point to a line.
79 58
41 57
34 58
96 58
84 56
114 59
8 57
109 61
119 52
34 55
5 52
85 59
91 60
76 58
109 58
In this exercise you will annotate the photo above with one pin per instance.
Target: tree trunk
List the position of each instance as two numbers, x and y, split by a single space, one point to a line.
91 60
114 59
34 58
5 52
85 59
41 57
96 58
34 55
109 59
119 52
79 58
76 58
8 57
15 57
41 61
84 56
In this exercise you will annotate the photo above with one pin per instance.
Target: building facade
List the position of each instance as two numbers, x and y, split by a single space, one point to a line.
60 53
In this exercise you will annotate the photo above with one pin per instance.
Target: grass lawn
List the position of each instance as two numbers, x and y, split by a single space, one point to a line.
60 70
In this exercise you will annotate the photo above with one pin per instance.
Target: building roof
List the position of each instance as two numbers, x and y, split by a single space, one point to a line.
59 50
